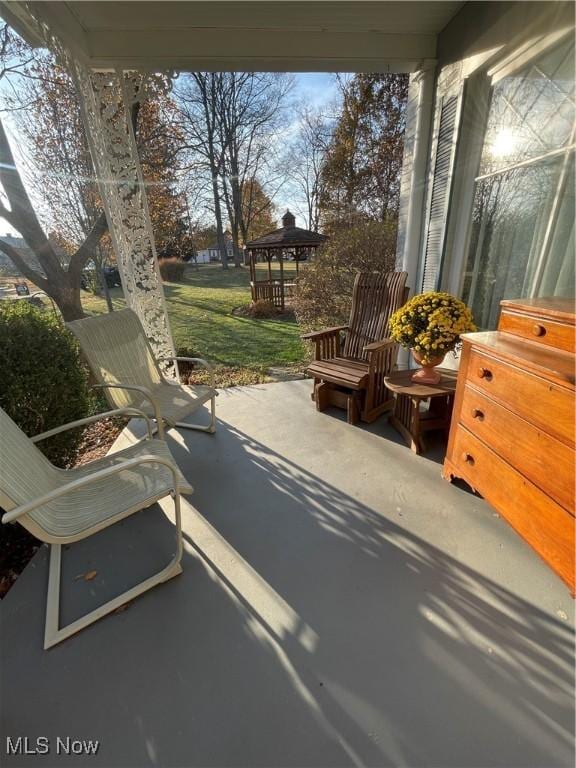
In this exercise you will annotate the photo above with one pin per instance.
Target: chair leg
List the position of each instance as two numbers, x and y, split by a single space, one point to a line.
158 429
352 411
321 396
313 393
211 428
53 634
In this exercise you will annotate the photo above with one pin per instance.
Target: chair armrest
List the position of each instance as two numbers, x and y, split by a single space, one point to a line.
200 360
313 335
134 412
100 474
326 342
148 396
381 356
375 346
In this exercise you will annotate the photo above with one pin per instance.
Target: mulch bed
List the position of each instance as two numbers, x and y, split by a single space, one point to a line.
225 376
258 313
17 546
98 438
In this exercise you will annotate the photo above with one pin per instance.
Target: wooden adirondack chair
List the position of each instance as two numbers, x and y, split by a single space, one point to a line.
352 375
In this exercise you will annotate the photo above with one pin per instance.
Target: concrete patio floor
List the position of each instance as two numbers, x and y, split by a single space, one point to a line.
340 604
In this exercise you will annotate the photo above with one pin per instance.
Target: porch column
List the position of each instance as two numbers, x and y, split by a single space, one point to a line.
419 114
107 100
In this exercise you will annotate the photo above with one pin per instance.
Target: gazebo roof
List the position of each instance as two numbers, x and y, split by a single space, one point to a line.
288 236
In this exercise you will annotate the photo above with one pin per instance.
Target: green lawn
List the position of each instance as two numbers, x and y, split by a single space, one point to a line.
202 322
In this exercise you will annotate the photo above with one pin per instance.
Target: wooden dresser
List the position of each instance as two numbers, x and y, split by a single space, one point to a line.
512 431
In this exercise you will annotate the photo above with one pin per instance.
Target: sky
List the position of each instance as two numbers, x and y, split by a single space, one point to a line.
316 89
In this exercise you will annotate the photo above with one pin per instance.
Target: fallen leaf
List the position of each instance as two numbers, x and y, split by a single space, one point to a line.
90 575
122 608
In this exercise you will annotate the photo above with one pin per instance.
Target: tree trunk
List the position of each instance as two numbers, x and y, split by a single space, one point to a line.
236 208
218 216
67 297
233 219
62 285
236 244
106 290
71 308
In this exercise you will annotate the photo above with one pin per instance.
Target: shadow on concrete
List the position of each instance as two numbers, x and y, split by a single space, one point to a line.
442 665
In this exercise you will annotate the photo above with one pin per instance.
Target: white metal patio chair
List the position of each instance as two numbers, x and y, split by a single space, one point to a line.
120 357
63 506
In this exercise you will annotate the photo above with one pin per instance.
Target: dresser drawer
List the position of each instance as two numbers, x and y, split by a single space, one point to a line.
534 515
543 459
541 330
541 402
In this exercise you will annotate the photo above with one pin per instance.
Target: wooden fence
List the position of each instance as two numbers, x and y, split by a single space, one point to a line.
276 291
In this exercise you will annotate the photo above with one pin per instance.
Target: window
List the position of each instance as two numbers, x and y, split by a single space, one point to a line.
522 231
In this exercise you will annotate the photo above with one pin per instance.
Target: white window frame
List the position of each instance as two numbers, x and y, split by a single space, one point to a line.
468 155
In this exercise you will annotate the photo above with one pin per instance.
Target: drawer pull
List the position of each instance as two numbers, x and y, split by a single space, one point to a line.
467 458
538 330
484 373
477 414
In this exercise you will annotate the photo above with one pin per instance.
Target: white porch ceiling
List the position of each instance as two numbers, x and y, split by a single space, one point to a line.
273 35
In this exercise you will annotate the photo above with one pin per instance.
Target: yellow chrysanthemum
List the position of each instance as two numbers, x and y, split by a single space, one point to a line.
431 322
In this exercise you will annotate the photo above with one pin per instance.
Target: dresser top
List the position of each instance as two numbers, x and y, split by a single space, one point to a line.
553 307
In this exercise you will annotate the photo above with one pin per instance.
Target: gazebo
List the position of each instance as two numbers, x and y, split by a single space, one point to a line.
288 241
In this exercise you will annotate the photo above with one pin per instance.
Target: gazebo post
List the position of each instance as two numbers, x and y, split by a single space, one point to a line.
269 258
281 260
251 258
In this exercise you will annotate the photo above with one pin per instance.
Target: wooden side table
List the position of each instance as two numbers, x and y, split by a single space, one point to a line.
408 418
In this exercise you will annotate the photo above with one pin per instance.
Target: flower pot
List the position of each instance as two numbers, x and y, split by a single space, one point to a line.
427 374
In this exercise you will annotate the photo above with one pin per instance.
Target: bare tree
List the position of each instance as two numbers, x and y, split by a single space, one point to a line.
198 97
15 55
56 165
23 74
251 108
230 121
60 281
305 161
